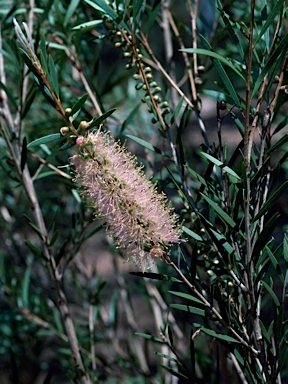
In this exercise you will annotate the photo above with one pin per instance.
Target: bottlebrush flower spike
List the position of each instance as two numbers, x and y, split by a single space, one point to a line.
137 217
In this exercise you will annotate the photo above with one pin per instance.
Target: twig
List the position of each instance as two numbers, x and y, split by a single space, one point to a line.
208 305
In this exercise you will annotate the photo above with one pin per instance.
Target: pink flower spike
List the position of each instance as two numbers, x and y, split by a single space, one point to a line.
137 217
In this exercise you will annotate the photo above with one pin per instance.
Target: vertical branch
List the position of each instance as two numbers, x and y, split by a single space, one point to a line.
248 140
185 56
193 17
14 126
168 47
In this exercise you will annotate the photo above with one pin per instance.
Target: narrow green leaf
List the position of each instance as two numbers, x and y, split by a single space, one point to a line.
283 140
186 296
285 248
79 104
25 286
23 153
264 331
87 26
177 110
271 201
281 125
152 17
43 54
274 262
230 29
197 176
54 237
165 356
271 293
222 241
102 6
155 276
192 234
222 214
150 337
98 120
42 175
212 333
70 11
269 21
220 165
147 145
216 95
239 357
45 139
188 308
34 226
36 250
265 235
275 59
206 52
53 76
45 91
130 117
175 373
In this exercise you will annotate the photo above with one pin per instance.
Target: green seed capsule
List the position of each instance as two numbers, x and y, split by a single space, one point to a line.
156 90
126 54
166 111
153 120
139 86
153 84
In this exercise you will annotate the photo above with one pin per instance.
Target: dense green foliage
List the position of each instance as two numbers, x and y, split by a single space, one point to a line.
198 92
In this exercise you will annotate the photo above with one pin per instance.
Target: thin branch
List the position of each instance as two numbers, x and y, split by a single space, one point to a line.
210 307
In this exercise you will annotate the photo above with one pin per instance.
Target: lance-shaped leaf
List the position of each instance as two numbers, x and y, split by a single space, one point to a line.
98 120
44 140
222 214
212 333
271 201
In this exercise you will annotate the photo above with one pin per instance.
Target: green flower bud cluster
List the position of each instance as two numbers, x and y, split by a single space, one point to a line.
68 130
143 74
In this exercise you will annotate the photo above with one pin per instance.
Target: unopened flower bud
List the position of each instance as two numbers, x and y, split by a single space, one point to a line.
201 69
68 112
64 131
81 141
83 125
